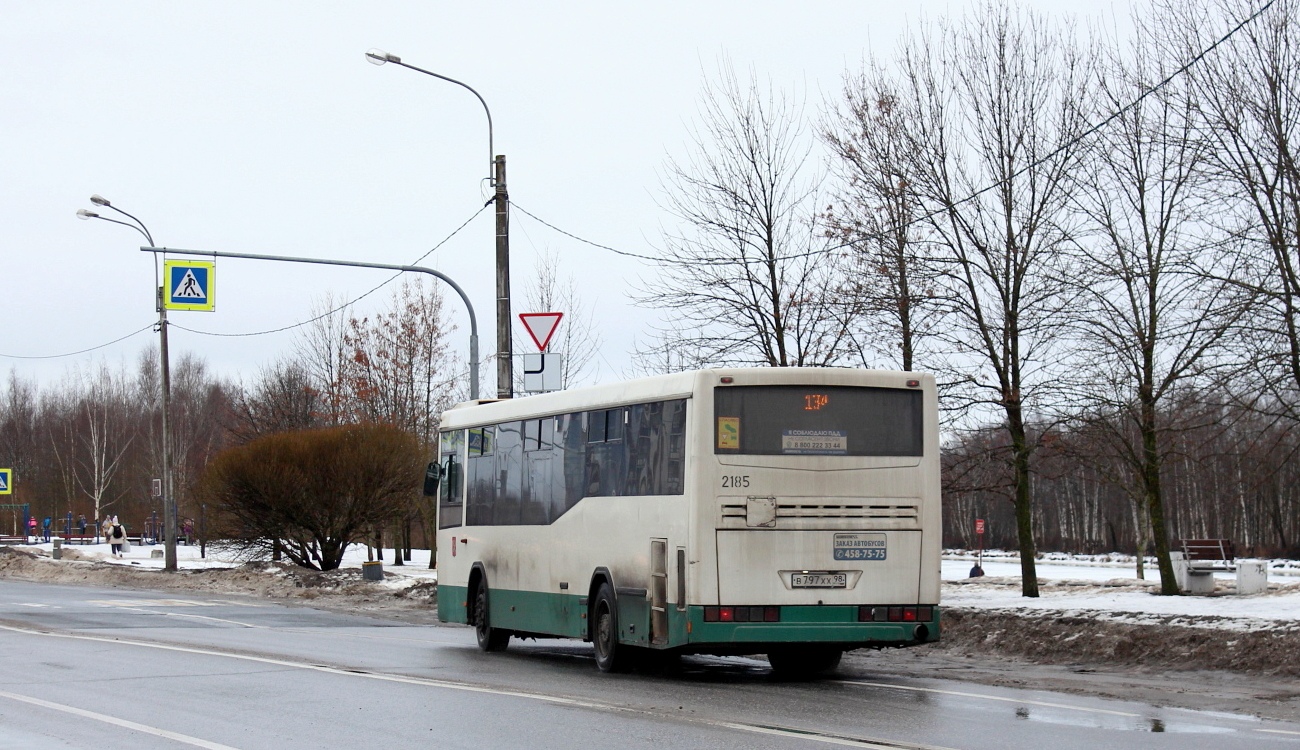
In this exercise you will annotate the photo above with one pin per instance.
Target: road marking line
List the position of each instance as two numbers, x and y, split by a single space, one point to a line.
1278 731
831 739
872 744
127 603
155 731
1003 699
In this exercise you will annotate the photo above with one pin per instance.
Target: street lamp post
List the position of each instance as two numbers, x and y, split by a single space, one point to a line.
497 178
473 320
169 499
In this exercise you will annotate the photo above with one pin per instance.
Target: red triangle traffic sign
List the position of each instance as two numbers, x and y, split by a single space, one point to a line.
541 326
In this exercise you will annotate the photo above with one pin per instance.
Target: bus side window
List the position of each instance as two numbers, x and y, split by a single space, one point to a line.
596 426
614 424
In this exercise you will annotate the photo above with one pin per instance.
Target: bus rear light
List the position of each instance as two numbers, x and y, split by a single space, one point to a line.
895 614
742 614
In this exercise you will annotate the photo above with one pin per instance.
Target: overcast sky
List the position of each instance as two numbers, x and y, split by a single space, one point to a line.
259 127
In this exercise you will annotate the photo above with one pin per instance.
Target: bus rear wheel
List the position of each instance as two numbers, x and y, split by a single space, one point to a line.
610 656
804 662
489 638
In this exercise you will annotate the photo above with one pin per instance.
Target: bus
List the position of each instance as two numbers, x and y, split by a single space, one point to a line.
792 512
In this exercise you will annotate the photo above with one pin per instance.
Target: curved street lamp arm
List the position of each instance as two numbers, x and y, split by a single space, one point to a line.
491 151
142 228
139 229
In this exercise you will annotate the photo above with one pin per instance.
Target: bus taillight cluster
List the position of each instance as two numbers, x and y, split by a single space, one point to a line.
742 614
895 614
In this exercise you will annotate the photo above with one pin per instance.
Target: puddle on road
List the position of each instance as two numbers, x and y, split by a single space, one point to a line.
1119 723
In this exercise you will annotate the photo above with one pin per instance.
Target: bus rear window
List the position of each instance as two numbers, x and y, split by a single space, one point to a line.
787 420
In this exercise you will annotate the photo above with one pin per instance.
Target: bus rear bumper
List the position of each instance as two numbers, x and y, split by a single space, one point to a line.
828 625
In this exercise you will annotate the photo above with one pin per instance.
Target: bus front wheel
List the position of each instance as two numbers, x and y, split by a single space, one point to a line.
610 656
489 638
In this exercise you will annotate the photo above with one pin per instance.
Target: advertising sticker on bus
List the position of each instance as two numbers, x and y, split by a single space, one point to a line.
815 442
728 433
860 546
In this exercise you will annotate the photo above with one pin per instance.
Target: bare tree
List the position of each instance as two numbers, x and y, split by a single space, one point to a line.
1149 317
401 372
323 352
1247 93
98 413
400 369
995 105
746 279
284 397
888 287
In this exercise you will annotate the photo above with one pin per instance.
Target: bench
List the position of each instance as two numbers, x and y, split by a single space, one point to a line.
1200 560
1204 556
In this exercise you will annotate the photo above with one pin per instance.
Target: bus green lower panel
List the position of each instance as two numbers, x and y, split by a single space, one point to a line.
537 612
451 603
564 615
821 624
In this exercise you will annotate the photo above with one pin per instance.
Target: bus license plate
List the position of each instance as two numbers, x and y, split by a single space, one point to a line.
819 581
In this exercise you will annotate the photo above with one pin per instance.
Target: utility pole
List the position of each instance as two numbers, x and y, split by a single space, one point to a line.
505 371
169 499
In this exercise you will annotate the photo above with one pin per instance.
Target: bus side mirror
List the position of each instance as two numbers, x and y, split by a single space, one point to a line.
432 475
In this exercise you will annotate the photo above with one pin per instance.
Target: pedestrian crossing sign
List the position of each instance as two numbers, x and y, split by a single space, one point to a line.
190 285
6 481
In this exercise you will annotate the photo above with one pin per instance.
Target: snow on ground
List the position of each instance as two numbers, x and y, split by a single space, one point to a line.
188 558
1097 586
1107 587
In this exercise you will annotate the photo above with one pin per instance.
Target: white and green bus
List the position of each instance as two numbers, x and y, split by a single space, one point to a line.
786 511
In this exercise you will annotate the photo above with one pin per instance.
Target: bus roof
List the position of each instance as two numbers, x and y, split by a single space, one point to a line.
662 388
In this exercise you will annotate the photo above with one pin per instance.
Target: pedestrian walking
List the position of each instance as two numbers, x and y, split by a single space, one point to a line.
45 528
116 536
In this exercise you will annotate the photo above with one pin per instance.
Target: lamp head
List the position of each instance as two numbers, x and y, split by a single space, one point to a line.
99 200
379 57
84 214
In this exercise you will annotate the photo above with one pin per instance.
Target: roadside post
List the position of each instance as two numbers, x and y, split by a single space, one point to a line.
978 570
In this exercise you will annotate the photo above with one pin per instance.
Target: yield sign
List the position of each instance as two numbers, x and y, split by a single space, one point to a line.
541 326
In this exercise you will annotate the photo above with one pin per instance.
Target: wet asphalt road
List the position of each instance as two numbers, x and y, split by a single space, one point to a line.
102 668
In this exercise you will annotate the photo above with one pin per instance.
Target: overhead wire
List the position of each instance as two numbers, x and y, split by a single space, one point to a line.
151 324
1070 143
